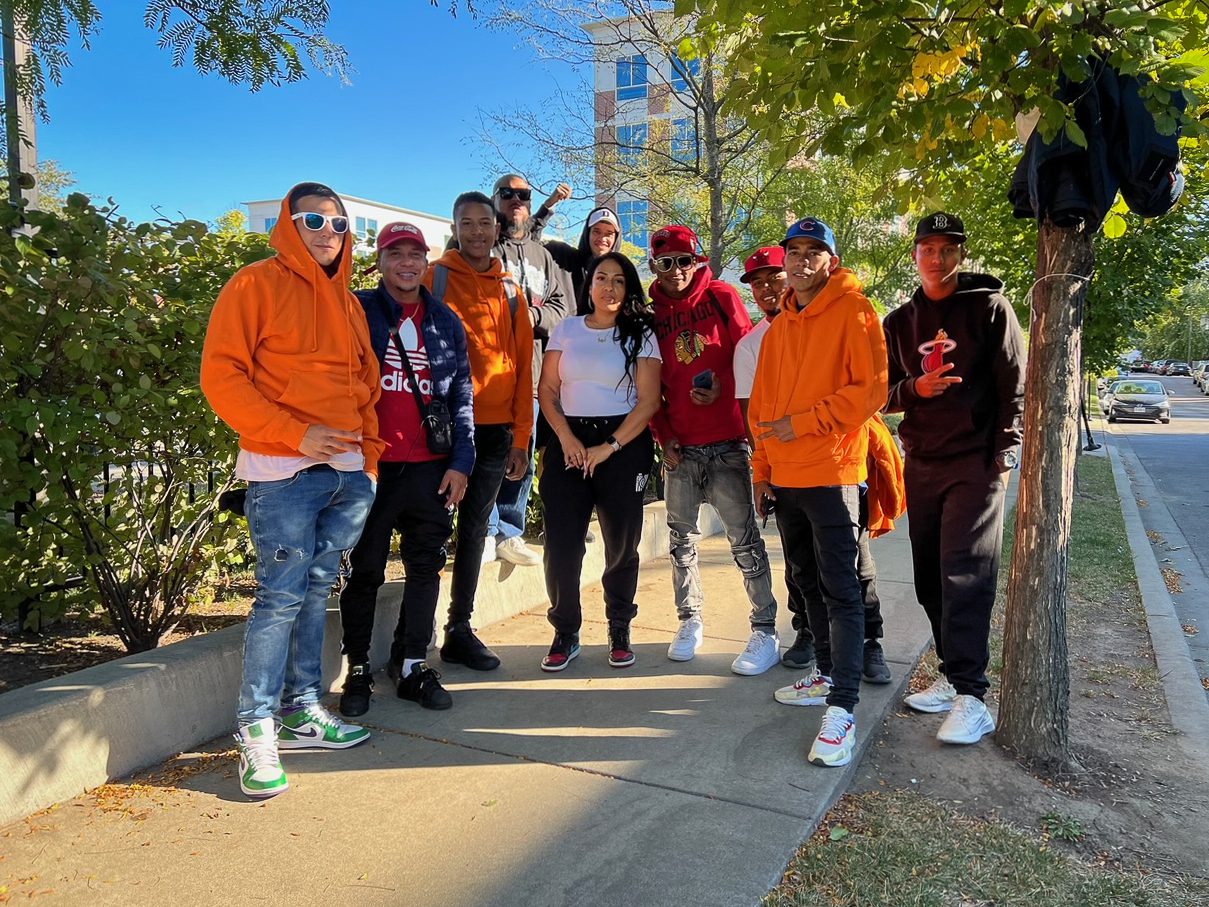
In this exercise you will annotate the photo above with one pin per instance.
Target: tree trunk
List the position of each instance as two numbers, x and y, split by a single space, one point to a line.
1033 714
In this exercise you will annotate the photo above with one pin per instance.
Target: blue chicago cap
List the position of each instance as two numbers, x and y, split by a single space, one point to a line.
811 228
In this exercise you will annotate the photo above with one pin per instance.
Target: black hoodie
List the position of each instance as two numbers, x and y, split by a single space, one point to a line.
982 339
574 259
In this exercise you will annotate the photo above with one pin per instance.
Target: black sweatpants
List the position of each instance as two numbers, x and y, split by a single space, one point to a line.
616 491
406 502
491 446
819 528
809 609
955 516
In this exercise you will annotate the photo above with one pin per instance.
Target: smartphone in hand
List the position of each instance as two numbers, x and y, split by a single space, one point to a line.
704 380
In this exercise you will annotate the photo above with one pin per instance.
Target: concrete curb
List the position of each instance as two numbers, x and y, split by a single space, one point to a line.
62 737
1186 701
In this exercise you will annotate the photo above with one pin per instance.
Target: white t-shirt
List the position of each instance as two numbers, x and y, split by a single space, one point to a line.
258 467
747 354
592 368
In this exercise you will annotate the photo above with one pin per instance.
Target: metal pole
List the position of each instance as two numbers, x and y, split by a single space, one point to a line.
12 114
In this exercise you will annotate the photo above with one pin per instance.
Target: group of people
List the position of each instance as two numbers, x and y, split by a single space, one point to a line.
388 411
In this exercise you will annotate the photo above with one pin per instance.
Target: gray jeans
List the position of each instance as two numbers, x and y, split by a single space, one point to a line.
719 475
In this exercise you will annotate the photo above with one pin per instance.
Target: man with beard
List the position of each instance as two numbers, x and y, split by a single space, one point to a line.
418 488
548 292
957 375
822 376
699 322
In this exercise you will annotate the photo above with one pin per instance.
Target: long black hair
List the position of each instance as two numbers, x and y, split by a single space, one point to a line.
634 319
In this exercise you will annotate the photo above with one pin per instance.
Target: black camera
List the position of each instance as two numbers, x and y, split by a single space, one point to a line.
438 426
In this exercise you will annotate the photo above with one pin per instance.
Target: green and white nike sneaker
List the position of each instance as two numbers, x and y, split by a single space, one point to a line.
260 771
314 726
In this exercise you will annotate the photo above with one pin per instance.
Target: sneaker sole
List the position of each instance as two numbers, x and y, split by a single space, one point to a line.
878 679
308 744
263 794
930 709
428 705
796 663
474 667
753 670
621 664
813 700
517 561
554 669
833 762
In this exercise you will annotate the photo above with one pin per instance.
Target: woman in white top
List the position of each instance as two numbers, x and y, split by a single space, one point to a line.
599 388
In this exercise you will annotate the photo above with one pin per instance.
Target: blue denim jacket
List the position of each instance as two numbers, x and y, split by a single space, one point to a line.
445 343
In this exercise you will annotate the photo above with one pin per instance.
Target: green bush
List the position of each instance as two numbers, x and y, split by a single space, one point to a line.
113 460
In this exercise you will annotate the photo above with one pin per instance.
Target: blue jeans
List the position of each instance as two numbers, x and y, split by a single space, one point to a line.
301 528
720 475
508 516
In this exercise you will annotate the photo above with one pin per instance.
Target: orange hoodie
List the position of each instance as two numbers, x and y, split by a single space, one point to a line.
500 347
288 347
887 488
825 367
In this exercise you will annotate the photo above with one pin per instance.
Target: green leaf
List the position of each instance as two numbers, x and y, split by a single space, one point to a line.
1114 226
838 833
1075 133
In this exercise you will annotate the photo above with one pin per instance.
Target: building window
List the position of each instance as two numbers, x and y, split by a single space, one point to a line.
269 224
684 140
372 225
360 226
631 139
633 222
681 70
631 78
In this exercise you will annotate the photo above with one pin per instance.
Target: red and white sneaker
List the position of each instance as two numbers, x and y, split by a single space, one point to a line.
836 740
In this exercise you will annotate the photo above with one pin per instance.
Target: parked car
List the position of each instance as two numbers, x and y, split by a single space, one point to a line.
1140 399
1142 365
1179 368
1107 393
1198 372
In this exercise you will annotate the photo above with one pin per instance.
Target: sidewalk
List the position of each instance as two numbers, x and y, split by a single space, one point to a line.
664 783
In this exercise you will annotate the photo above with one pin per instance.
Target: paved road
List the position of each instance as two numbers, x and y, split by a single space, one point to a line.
1172 487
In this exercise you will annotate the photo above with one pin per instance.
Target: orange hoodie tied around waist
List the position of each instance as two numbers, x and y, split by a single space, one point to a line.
825 367
887 487
499 346
288 347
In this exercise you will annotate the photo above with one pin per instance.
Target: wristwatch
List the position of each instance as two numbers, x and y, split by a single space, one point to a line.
1008 460
613 443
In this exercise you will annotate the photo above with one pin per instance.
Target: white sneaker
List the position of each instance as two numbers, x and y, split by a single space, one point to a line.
810 690
688 639
836 740
936 698
515 551
762 652
489 554
968 722
260 771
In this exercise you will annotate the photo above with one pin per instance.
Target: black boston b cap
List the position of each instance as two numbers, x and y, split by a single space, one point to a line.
941 224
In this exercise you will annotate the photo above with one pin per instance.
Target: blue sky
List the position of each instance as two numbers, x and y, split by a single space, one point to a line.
155 138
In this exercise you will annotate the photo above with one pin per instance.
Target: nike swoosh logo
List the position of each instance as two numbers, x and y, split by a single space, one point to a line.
313 732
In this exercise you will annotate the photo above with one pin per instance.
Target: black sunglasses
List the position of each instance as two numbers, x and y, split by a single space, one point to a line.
667 262
507 192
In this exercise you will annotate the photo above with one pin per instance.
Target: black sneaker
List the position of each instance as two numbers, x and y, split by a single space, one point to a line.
620 653
875 670
423 685
462 647
358 685
800 656
562 650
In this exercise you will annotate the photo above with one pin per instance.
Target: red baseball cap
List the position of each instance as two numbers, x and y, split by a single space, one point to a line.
398 232
768 257
676 240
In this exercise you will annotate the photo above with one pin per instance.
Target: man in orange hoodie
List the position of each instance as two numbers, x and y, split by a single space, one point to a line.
289 366
821 377
499 341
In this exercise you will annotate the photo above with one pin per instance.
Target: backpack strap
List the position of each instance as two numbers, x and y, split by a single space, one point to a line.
718 308
440 280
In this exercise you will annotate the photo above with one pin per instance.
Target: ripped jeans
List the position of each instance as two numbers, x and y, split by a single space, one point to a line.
301 528
719 475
